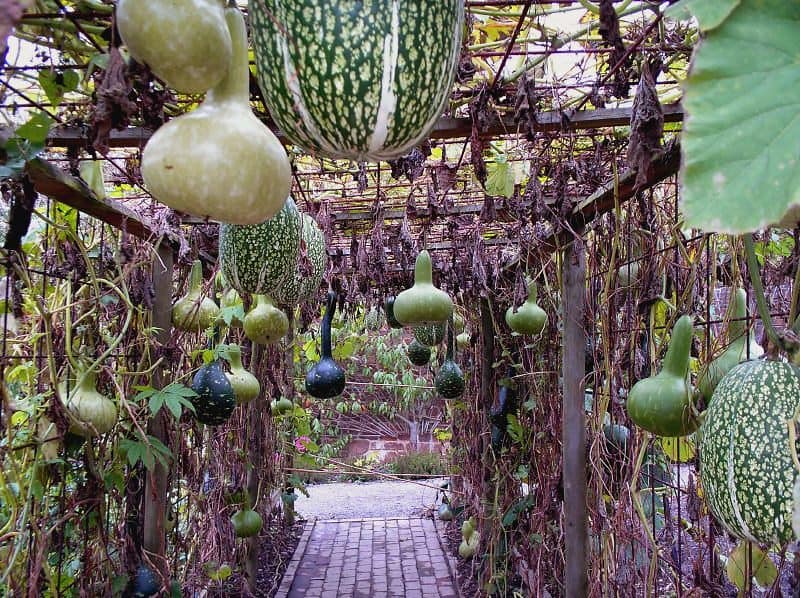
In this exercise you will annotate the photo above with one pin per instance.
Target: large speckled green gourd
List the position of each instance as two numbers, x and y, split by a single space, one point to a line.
430 335
302 285
357 79
257 258
746 464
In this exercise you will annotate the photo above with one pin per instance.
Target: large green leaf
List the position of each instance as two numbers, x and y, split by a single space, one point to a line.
709 13
742 136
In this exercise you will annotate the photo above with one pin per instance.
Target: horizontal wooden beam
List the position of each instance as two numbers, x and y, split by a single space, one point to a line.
48 179
446 127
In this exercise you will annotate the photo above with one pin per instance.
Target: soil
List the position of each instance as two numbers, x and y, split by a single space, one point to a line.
277 547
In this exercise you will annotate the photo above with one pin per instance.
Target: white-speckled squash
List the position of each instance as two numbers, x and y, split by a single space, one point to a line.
301 285
746 464
257 258
357 79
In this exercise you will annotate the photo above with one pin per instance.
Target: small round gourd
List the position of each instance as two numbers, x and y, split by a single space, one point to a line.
91 413
184 42
246 523
529 318
245 385
423 303
431 334
194 312
418 354
220 161
214 401
449 380
462 341
265 324
146 582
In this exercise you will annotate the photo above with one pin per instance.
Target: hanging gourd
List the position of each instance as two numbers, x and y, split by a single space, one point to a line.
246 523
258 258
304 281
231 310
423 303
265 324
219 161
245 385
449 381
462 341
90 412
748 446
184 42
470 539
458 323
388 307
356 80
281 406
418 354
194 312
146 582
741 346
529 318
662 404
498 416
326 379
431 334
215 399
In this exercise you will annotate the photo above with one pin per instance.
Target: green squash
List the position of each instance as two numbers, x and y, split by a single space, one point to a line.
265 324
746 450
430 335
529 318
353 79
303 285
423 303
739 345
90 412
215 399
418 354
449 381
258 258
662 404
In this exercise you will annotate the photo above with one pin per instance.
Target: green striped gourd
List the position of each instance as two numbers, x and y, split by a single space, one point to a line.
257 258
746 463
301 286
357 79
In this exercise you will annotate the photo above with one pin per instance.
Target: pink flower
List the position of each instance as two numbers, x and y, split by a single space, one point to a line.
301 443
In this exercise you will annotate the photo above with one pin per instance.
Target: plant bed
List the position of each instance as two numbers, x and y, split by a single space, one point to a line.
278 543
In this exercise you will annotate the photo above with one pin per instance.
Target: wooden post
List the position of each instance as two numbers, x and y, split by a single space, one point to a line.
487 355
155 493
574 422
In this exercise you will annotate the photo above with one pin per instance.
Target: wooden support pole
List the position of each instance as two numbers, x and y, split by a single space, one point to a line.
487 355
155 492
574 422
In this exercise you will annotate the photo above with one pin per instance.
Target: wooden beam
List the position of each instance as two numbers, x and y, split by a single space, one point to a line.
53 182
446 127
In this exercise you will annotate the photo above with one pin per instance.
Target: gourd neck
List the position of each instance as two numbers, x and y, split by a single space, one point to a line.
533 292
326 326
196 278
676 361
450 339
235 356
86 379
737 326
235 85
423 270
262 302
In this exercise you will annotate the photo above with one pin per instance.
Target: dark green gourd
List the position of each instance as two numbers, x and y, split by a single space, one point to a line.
662 404
423 303
498 415
740 347
145 583
430 335
449 379
418 354
326 379
215 398
389 308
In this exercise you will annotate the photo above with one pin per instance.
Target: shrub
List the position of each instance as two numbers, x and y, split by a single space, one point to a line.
418 465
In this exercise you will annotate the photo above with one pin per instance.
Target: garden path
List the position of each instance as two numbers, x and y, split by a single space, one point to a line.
369 558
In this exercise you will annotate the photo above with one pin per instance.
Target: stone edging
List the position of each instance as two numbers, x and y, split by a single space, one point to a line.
452 563
291 569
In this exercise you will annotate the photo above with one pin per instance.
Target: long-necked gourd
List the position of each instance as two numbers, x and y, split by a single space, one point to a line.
326 379
662 404
740 347
747 450
245 385
265 324
184 42
449 382
529 318
194 312
423 303
357 80
219 161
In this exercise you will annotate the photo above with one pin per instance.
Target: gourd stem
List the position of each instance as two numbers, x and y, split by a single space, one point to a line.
196 277
676 361
450 343
326 325
533 291
758 289
423 270
737 327
235 86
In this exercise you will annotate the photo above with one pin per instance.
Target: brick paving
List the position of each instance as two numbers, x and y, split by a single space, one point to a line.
369 558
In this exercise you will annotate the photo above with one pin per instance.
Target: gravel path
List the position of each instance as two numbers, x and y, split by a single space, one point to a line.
358 500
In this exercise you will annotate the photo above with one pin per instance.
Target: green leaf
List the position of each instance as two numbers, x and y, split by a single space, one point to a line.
92 172
709 13
678 450
37 128
500 179
17 152
761 567
56 84
741 139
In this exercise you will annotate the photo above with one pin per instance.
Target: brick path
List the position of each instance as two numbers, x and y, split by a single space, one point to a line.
369 558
